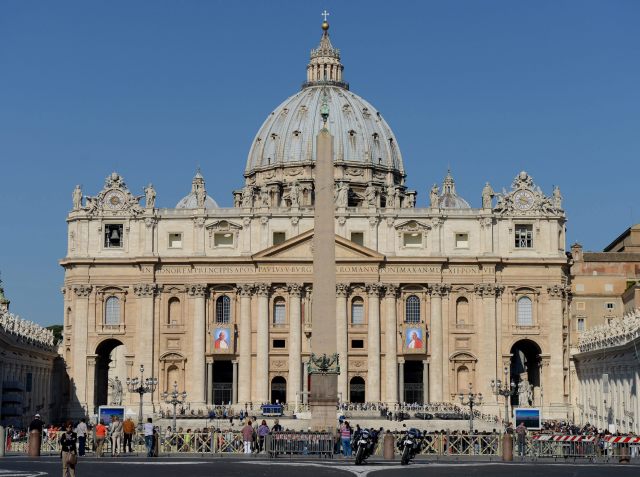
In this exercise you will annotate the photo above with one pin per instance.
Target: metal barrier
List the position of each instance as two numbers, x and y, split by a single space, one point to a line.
565 447
300 443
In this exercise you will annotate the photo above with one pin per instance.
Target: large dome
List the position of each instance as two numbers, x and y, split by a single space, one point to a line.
361 135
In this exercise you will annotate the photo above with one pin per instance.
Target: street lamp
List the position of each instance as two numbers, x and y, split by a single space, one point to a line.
141 386
472 399
176 398
507 391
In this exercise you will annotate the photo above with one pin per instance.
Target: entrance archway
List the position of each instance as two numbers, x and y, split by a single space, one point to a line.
356 389
110 365
223 381
278 390
525 370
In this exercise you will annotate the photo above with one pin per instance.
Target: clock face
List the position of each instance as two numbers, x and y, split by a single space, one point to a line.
114 200
523 200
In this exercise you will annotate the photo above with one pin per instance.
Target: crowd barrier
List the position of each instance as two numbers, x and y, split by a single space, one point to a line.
537 447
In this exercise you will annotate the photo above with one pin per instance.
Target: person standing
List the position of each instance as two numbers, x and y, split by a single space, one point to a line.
521 432
129 428
68 442
148 436
345 436
247 437
81 431
116 436
263 430
101 435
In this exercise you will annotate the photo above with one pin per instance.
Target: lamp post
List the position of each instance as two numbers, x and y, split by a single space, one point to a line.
176 398
472 399
507 391
141 386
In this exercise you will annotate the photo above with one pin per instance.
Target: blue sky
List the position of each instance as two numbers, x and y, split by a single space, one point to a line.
152 89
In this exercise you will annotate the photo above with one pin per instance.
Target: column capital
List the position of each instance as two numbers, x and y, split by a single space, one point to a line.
145 289
488 289
439 289
82 290
374 289
295 289
245 289
342 289
263 289
149 222
391 290
558 291
197 289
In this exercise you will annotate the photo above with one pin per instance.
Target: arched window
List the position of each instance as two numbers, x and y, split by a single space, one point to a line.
279 315
412 310
223 309
175 310
356 389
357 311
524 312
462 311
112 311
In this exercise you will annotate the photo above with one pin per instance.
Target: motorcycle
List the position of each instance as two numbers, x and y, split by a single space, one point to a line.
410 445
365 444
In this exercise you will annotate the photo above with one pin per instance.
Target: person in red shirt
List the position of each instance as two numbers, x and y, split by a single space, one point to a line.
101 435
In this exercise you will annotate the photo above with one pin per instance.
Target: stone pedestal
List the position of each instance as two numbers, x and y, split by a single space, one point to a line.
322 400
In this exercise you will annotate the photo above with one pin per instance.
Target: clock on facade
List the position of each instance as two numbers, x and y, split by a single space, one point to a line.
523 200
114 200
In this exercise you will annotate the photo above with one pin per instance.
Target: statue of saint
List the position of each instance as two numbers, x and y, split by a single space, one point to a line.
265 198
434 196
150 196
247 197
77 198
294 194
487 196
370 195
523 393
201 196
557 198
342 194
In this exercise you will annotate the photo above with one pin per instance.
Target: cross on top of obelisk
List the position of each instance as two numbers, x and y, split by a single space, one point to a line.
325 14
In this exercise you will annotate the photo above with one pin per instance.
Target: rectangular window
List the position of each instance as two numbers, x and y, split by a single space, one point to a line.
357 344
610 306
412 239
223 240
524 236
113 236
279 344
175 240
580 305
357 237
580 325
279 237
462 240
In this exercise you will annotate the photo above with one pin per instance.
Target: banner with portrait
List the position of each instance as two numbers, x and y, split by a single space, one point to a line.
222 339
414 339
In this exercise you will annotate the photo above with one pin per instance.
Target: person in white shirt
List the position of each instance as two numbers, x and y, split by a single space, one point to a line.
148 436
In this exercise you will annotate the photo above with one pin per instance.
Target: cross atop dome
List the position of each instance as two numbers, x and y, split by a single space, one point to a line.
324 67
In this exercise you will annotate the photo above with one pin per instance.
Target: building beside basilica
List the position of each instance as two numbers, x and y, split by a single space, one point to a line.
430 297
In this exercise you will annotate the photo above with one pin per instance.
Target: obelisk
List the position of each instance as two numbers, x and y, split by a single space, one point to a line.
324 366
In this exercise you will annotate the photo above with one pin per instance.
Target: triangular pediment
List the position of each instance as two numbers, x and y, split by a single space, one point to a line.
300 247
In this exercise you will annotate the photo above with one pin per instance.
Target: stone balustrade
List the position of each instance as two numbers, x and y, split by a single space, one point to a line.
615 333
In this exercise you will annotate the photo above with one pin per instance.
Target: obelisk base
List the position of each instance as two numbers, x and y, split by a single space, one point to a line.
323 400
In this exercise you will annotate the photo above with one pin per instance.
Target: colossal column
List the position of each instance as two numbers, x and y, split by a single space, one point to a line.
295 343
555 386
373 339
391 344
487 342
435 381
262 344
79 331
198 382
244 356
342 290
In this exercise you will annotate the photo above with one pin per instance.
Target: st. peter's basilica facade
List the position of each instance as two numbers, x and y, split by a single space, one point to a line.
430 299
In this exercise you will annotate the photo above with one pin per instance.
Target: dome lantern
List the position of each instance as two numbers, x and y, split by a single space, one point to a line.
324 66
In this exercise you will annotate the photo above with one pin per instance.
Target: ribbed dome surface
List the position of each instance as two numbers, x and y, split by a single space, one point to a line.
288 135
191 202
